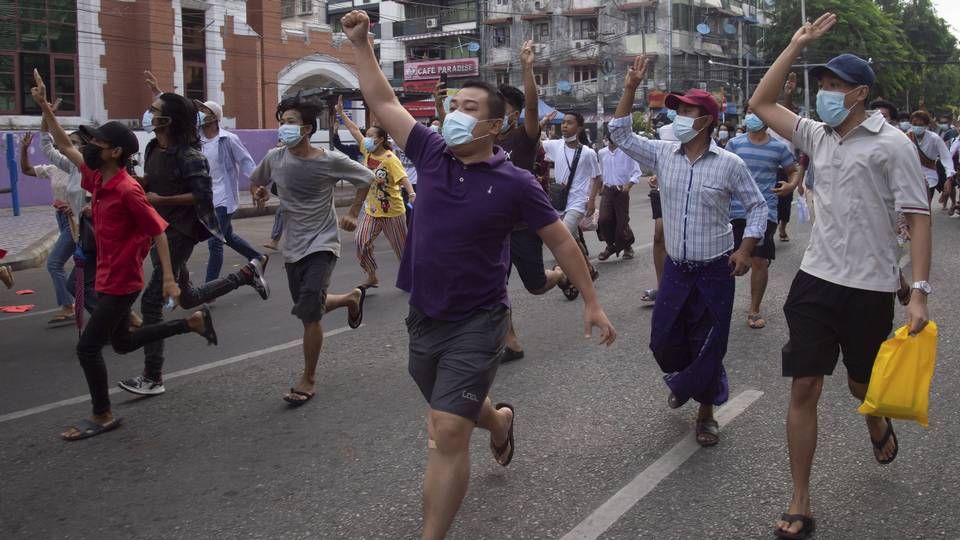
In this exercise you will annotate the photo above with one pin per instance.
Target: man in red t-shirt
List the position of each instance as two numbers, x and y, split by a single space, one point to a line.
125 225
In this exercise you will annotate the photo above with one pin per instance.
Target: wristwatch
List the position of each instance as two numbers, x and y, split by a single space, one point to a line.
923 287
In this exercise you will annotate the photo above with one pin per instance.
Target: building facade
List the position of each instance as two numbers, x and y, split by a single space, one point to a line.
243 54
583 48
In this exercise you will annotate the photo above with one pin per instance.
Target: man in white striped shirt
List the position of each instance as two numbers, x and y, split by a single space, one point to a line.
698 179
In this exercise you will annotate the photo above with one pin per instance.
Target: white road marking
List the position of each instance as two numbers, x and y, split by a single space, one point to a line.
176 374
30 314
622 501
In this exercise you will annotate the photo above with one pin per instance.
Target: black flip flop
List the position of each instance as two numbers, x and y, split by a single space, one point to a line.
355 323
708 426
498 452
209 332
298 402
878 446
89 428
509 355
808 525
568 289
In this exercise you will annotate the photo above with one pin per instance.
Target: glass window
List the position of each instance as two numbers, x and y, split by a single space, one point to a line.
8 84
63 38
584 73
195 81
542 78
634 23
501 36
541 32
503 78
585 29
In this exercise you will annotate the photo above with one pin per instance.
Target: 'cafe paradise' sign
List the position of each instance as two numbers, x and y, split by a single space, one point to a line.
461 67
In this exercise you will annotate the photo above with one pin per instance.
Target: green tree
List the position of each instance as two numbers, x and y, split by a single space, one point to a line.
930 36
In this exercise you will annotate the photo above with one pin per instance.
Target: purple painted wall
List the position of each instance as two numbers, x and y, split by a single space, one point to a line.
35 192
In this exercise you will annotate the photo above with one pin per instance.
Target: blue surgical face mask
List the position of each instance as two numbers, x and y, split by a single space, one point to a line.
458 128
684 130
753 123
831 108
905 126
723 135
289 134
147 121
434 128
671 114
505 127
918 130
446 104
201 119
369 144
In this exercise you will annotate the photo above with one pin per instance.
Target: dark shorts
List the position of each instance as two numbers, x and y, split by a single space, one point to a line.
526 254
767 250
309 279
454 362
784 205
826 319
655 205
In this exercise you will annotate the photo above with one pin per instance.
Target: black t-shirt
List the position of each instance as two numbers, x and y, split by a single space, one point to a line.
164 177
520 149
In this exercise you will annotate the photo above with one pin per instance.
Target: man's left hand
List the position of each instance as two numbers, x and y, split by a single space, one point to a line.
784 189
917 314
348 223
593 316
739 263
153 198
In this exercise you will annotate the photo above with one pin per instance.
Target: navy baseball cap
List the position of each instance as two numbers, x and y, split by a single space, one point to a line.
848 67
115 134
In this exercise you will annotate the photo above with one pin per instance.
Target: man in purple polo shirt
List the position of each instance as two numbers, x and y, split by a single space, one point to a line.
469 198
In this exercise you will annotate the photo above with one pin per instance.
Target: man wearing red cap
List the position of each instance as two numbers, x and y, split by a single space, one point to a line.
698 179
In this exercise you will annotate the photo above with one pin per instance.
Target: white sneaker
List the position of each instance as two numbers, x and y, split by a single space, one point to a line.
258 268
142 386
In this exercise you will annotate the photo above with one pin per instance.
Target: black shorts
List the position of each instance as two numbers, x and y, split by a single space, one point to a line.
454 362
526 254
309 279
826 319
655 205
767 250
784 205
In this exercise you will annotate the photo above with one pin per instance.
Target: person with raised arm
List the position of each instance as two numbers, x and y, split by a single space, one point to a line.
455 267
693 307
841 299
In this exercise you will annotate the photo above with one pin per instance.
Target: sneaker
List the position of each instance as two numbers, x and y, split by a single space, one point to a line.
256 269
955 215
142 386
627 254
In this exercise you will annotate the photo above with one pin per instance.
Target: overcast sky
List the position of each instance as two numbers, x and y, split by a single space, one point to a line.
950 11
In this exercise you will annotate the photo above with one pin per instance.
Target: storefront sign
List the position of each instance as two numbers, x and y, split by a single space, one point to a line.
461 67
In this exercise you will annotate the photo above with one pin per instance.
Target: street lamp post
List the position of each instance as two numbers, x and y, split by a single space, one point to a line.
806 73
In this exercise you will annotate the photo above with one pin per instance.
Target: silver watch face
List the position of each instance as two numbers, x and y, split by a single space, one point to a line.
923 287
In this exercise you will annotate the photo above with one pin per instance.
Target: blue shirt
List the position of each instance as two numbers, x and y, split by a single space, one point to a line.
764 162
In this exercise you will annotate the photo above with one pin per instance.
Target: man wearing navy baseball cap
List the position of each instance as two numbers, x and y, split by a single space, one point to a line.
841 300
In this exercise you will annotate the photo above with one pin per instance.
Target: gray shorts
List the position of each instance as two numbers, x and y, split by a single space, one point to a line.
454 362
309 279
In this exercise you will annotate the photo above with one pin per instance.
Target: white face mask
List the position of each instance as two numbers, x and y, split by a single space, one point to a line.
572 138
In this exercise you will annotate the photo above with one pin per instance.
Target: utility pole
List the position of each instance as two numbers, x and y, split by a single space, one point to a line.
806 72
669 45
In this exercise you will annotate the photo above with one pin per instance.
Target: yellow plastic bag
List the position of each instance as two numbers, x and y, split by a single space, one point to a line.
900 382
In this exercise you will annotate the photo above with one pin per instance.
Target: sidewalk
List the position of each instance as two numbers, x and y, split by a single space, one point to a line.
29 237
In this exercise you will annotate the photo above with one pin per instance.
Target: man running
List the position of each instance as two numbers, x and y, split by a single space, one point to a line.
125 224
620 173
305 177
520 143
178 185
931 149
698 179
767 158
841 299
228 159
455 268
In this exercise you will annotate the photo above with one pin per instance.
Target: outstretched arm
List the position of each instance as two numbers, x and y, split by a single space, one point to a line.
531 103
352 127
25 166
39 94
764 100
376 90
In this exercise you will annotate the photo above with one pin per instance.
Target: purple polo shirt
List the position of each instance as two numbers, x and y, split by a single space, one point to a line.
458 248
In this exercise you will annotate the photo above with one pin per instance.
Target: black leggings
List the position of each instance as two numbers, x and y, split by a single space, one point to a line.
110 323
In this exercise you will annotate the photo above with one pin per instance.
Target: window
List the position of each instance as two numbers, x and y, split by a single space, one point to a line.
585 29
41 34
428 52
584 74
682 18
501 36
305 7
541 77
194 54
641 22
458 11
288 8
541 32
503 78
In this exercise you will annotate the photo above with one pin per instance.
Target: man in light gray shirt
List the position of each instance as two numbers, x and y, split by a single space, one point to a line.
305 177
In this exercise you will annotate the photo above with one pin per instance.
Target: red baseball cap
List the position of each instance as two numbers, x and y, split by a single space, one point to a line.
697 98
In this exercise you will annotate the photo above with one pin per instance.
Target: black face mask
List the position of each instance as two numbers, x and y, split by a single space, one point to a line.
92 156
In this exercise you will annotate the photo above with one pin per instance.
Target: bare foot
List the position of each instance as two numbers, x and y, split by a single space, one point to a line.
504 418
353 307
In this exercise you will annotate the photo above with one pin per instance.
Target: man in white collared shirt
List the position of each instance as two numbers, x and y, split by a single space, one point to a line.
931 149
620 173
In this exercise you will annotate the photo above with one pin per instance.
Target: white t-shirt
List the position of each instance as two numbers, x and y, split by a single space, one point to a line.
588 168
211 149
863 179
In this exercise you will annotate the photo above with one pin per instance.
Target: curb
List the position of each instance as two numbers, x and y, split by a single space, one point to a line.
35 255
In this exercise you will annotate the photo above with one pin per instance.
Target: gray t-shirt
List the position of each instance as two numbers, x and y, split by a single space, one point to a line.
306 197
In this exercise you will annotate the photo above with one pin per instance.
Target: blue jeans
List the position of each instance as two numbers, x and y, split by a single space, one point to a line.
60 253
215 263
277 230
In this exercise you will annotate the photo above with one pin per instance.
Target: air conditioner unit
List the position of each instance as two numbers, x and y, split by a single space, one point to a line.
541 5
702 85
433 23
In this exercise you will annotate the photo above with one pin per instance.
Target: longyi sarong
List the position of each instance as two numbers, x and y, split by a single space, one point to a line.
691 326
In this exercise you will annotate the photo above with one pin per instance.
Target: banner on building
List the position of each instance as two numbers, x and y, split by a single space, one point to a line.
461 67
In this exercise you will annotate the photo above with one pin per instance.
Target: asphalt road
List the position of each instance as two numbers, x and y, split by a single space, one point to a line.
220 455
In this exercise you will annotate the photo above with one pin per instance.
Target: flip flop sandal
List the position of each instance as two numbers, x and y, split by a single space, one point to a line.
808 525
755 321
784 238
509 355
62 318
88 428
356 322
298 402
708 432
504 454
878 446
568 289
674 402
649 295
209 332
